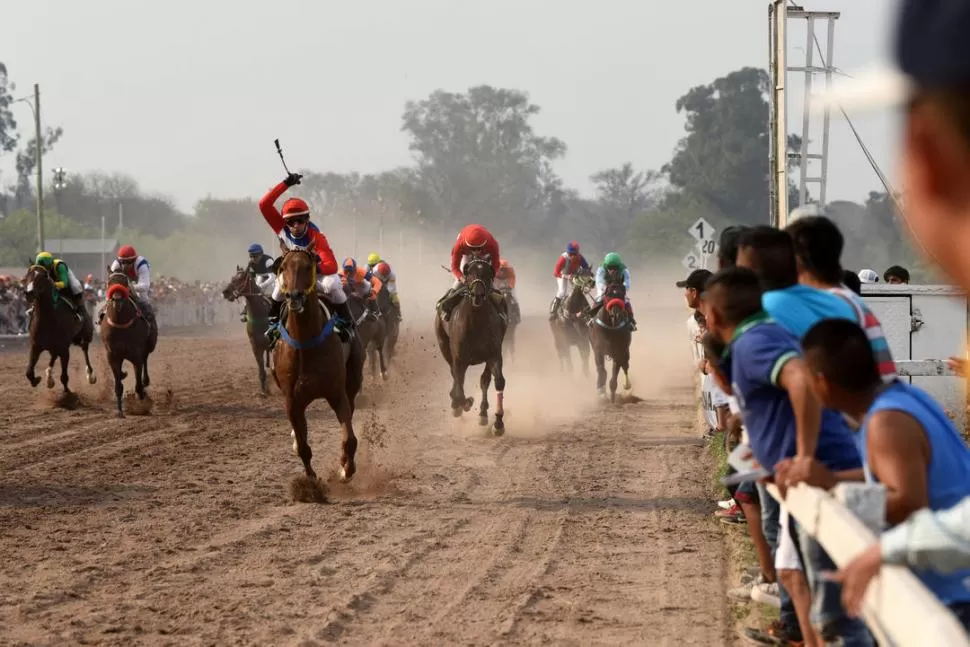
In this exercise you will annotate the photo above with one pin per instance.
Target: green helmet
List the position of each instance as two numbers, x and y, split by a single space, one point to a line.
613 260
45 259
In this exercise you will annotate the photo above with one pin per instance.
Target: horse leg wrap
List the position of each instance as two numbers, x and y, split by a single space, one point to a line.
499 403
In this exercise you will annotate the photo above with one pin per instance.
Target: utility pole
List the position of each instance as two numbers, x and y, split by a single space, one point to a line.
778 14
38 153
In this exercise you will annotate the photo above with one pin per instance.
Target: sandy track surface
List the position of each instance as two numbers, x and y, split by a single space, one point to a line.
584 525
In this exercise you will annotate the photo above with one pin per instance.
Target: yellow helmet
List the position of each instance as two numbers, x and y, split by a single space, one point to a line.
45 259
374 258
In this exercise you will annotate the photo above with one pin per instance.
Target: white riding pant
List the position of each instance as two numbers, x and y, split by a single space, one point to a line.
563 287
264 283
330 286
76 286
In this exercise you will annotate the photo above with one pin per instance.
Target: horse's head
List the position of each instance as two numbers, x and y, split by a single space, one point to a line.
241 283
615 291
478 277
37 283
298 276
583 280
614 313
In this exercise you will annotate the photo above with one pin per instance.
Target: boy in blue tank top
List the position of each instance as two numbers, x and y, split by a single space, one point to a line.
772 385
905 439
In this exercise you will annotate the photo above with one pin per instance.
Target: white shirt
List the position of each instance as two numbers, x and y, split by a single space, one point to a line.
712 397
143 275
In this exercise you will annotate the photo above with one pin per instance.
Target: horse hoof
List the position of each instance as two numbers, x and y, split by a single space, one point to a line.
498 428
120 415
34 381
483 421
347 472
468 404
456 412
384 376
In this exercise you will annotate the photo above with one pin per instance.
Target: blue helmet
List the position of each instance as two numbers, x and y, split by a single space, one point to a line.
255 248
572 248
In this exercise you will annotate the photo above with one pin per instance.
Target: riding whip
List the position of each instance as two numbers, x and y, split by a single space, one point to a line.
280 151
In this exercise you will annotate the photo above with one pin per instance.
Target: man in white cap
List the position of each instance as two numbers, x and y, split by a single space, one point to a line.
868 276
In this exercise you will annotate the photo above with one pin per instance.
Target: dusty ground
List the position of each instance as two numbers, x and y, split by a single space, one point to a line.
584 525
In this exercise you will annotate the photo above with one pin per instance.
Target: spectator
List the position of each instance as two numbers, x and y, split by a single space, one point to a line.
770 253
693 287
851 280
784 419
933 90
818 250
715 402
896 275
727 246
868 276
906 440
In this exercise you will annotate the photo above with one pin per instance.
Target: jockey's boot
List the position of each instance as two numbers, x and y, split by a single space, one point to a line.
633 324
447 303
242 315
397 310
553 308
272 332
345 321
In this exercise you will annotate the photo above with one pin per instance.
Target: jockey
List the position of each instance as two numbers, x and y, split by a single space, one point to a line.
505 280
64 280
358 281
296 231
570 261
473 240
384 272
613 272
139 274
261 267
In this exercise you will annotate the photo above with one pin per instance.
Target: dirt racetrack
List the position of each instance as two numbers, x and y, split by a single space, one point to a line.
584 525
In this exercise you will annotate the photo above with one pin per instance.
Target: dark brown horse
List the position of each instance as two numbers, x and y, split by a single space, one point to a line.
474 335
391 321
610 336
569 324
127 336
311 362
243 284
54 327
371 330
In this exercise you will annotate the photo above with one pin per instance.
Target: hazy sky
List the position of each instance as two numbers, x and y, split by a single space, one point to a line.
187 97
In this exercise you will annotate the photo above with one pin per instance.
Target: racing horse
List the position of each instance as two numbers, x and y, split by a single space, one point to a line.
569 325
390 320
474 335
127 335
610 335
371 329
312 363
54 327
243 284
515 318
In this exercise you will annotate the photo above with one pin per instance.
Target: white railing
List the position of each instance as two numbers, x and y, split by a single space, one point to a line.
898 609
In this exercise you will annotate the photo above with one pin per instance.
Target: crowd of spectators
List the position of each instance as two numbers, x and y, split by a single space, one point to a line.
177 303
794 366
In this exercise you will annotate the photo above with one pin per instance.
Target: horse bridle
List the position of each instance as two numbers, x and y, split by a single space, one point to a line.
313 275
471 284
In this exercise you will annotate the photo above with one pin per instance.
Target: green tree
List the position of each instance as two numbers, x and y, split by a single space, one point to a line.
723 159
18 234
8 125
623 193
478 156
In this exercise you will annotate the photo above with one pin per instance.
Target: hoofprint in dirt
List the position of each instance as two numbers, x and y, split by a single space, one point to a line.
582 526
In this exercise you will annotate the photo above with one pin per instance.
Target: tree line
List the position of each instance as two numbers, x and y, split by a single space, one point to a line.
477 158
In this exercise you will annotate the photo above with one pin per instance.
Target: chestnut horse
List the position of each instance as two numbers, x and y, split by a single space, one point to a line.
243 284
474 335
127 335
610 336
312 363
54 327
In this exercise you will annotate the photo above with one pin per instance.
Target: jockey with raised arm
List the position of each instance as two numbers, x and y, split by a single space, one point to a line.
473 240
569 262
64 281
613 271
383 270
295 230
139 273
261 267
359 281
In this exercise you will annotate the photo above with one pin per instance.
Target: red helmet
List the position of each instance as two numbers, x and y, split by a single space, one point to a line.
382 269
474 236
295 208
127 253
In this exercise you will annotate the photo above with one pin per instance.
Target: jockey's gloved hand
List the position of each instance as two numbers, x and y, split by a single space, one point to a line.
292 178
